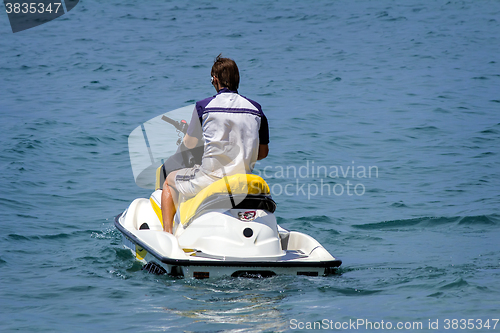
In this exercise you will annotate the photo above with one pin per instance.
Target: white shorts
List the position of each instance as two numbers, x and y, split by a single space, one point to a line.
190 181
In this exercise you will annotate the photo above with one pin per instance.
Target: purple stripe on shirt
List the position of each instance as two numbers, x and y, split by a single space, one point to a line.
233 110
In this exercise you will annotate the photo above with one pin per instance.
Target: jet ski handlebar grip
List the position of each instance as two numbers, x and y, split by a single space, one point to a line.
179 125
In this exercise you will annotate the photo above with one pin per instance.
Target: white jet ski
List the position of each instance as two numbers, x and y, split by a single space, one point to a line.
228 229
222 233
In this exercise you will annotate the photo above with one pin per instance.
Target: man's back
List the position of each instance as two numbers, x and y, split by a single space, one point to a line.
230 125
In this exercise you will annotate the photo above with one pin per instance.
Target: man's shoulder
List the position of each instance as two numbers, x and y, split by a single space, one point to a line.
202 104
254 103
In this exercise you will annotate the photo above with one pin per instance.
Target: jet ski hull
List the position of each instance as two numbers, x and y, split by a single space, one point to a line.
152 246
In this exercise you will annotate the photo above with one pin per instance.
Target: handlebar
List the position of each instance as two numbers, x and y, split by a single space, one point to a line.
179 125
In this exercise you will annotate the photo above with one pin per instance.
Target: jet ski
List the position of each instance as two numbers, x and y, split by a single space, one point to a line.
227 229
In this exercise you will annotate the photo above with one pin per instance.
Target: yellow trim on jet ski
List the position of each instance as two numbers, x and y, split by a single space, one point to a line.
158 186
236 184
140 253
157 210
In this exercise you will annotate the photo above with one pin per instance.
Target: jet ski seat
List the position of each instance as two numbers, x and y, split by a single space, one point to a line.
240 191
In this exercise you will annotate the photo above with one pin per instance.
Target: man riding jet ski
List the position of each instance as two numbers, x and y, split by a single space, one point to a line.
209 216
234 132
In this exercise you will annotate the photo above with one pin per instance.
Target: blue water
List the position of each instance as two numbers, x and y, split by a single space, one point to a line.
410 89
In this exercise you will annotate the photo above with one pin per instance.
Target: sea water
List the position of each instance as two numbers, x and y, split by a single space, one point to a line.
385 134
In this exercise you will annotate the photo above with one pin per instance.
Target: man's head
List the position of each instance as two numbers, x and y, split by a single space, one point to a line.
226 73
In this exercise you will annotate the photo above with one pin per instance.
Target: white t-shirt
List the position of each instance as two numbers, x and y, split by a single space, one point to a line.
232 127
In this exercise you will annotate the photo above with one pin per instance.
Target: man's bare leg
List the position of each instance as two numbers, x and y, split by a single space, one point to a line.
169 202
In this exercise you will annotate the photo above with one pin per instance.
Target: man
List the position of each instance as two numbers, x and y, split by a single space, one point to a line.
235 134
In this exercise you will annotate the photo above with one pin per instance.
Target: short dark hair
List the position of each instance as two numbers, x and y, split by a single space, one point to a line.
226 71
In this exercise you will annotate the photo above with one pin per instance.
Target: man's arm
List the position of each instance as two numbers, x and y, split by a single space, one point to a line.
194 131
263 138
191 141
263 151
